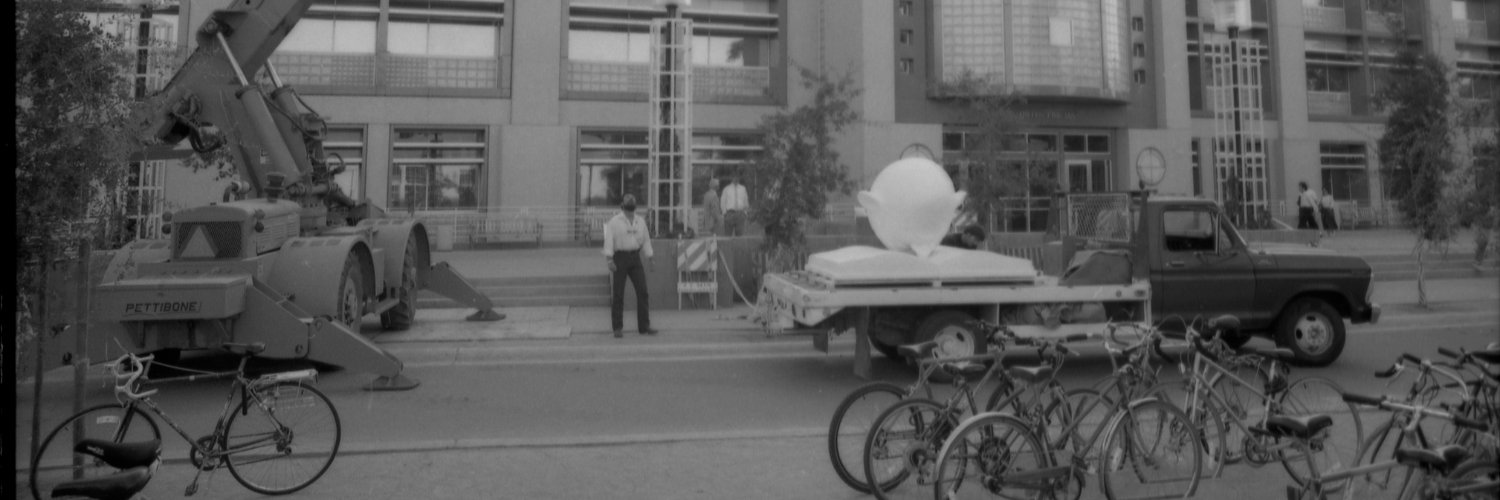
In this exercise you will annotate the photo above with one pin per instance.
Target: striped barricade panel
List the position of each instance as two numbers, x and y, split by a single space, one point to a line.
697 269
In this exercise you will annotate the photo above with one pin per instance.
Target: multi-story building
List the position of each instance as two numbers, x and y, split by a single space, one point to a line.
467 105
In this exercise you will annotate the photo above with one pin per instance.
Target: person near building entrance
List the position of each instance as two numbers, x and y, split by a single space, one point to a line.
1330 211
713 215
736 203
626 243
1307 208
1232 204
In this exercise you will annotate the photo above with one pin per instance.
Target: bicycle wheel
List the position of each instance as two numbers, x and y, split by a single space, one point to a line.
851 424
997 455
1476 480
1379 447
904 441
1091 411
281 438
1151 451
1336 452
55 461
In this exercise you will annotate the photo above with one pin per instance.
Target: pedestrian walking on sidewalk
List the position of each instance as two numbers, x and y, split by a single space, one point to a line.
736 203
1330 211
627 251
713 214
1483 230
1307 208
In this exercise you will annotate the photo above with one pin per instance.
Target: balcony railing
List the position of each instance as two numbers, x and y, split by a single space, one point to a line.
390 70
1478 30
710 83
1329 103
1324 18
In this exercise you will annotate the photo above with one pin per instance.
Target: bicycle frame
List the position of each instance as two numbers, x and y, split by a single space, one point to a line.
207 451
1203 369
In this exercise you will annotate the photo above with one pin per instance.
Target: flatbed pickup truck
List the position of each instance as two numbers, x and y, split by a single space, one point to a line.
1131 257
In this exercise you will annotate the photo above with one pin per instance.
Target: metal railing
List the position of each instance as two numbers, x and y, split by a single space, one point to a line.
710 83
391 70
1324 18
1329 103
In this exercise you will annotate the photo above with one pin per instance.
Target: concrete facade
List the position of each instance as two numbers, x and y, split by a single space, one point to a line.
532 116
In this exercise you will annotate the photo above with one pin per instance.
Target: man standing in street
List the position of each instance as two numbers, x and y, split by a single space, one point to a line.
713 214
626 241
736 203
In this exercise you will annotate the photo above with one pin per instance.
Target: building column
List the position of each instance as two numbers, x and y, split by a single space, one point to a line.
1296 158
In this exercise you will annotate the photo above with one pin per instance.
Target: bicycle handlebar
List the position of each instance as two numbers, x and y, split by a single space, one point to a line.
1363 399
1463 421
1410 357
1444 351
1389 372
128 370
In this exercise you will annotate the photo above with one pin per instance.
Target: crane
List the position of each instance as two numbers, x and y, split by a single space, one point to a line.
287 258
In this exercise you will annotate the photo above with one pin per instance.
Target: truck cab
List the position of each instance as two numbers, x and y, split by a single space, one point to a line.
1200 266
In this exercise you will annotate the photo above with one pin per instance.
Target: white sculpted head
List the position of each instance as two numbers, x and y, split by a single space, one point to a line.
911 204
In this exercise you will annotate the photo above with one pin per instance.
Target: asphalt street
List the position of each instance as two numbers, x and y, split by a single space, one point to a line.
731 415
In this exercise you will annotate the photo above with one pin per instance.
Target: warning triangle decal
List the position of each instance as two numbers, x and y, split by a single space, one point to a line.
198 246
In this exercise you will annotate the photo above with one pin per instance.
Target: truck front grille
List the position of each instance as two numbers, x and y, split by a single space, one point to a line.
224 239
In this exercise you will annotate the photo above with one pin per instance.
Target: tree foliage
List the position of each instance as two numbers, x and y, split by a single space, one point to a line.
798 168
72 140
998 128
1417 148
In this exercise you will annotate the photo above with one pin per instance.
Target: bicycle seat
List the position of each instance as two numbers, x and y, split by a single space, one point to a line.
1490 356
918 351
1274 352
1441 458
117 486
121 455
1303 426
1031 374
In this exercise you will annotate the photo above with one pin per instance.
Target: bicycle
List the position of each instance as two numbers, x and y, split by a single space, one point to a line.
855 414
1433 387
906 436
1432 471
270 426
1000 454
1233 393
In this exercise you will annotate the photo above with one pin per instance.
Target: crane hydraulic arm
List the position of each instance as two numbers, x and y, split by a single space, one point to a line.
275 140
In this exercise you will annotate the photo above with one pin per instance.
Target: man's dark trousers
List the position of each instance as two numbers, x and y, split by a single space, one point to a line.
628 264
1306 218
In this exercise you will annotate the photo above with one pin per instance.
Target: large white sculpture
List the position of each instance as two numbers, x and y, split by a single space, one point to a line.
911 204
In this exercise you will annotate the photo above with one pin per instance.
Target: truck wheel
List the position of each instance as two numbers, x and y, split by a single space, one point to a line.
400 317
351 288
954 332
887 350
1313 330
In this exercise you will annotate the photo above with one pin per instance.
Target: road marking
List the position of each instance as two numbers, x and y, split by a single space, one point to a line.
1408 329
633 359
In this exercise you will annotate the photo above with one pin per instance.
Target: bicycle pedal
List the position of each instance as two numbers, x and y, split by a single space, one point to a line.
191 489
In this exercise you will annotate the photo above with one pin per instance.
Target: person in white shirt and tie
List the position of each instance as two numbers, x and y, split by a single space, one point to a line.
735 202
626 240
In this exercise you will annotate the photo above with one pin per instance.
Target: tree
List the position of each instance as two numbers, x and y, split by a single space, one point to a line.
1417 157
72 138
797 168
998 128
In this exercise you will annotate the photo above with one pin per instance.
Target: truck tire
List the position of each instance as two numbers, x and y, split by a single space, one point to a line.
351 301
889 351
954 331
400 317
1313 330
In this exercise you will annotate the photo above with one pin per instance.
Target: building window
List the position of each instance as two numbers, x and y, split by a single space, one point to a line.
434 169
143 200
155 57
611 164
1139 49
1332 4
1345 170
905 66
905 37
345 145
1479 87
904 7
722 155
1140 76
1327 79
1138 24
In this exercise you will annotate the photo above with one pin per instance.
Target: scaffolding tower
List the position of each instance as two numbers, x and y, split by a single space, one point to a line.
671 126
1239 126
